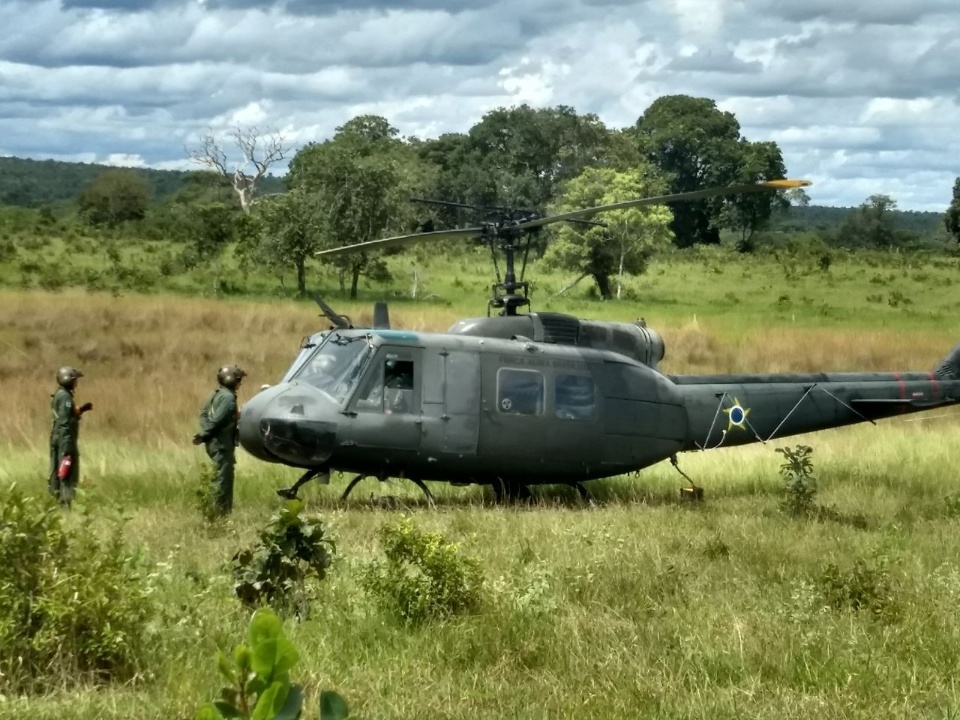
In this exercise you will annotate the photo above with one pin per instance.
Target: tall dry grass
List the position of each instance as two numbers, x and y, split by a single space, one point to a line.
638 607
149 361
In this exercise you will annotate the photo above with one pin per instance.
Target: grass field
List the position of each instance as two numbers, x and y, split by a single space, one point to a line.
638 607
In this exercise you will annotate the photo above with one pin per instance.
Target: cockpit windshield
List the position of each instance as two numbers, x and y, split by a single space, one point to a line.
307 347
336 365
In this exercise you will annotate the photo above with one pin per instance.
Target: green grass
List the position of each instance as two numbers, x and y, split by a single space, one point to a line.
639 606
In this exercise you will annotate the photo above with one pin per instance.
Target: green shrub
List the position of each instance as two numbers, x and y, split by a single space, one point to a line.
73 606
204 496
275 570
865 586
424 576
799 484
258 677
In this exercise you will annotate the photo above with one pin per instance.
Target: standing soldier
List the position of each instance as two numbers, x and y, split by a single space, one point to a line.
218 432
64 435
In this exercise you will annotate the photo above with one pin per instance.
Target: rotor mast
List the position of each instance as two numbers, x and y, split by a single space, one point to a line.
504 229
505 294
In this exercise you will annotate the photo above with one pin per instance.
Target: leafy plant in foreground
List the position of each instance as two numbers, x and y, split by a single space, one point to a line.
866 586
73 605
258 679
204 495
290 550
424 576
799 483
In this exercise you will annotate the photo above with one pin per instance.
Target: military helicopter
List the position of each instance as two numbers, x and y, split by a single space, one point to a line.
524 398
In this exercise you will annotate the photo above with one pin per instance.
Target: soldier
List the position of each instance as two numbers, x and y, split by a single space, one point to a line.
218 432
64 435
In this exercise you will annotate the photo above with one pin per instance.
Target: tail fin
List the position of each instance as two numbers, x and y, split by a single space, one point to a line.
381 315
949 367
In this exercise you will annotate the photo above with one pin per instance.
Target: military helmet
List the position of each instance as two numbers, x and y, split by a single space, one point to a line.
230 376
67 376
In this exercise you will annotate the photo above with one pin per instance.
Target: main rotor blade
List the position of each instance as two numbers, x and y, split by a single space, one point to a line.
402 240
783 184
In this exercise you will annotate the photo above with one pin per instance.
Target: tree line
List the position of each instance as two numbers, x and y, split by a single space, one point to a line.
357 186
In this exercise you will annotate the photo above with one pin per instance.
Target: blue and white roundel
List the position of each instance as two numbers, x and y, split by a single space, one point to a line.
736 415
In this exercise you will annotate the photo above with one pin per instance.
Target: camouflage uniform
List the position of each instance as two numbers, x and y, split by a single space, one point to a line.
218 433
64 436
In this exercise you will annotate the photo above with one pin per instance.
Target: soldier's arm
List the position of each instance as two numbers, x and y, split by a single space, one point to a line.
64 409
222 413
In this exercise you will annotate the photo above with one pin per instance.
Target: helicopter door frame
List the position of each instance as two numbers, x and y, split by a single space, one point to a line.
388 418
451 401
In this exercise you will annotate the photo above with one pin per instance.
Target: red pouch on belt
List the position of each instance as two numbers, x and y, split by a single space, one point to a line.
64 468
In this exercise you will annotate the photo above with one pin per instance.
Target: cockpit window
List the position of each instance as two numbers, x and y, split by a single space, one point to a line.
390 388
307 346
336 365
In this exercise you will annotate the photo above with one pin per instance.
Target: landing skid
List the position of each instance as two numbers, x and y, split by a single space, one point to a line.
416 481
290 493
510 491
584 493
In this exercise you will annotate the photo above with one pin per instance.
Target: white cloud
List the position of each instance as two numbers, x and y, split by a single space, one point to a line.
861 95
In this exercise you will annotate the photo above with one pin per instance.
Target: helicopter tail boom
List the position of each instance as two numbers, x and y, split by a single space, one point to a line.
726 410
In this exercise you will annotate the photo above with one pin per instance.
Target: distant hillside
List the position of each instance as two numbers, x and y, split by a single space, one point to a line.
819 218
31 183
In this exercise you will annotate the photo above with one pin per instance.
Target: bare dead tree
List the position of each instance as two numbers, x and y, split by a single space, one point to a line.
260 150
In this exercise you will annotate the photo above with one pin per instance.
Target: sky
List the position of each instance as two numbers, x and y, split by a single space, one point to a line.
860 95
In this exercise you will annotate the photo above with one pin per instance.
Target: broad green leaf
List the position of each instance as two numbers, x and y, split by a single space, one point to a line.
255 686
271 701
273 658
241 658
264 626
332 706
292 707
286 657
207 712
227 710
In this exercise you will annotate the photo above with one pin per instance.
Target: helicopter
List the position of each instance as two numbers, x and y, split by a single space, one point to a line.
517 398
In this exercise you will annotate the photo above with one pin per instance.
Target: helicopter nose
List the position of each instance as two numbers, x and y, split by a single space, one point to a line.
290 423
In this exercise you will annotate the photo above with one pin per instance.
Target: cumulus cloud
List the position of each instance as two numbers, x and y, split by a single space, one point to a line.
861 95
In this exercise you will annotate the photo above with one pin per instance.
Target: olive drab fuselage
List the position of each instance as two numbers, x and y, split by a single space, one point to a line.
480 409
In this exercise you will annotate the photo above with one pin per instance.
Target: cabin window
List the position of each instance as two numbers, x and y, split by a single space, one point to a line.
391 391
520 392
574 397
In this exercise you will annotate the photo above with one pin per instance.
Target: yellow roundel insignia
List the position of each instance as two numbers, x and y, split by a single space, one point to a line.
736 415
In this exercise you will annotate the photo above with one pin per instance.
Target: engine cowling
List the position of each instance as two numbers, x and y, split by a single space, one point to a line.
634 340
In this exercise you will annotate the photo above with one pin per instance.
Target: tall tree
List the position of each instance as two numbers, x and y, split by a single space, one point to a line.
515 156
114 197
697 146
259 150
748 213
289 231
952 219
872 224
630 237
362 179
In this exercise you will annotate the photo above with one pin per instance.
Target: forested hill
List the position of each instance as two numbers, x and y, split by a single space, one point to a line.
32 183
818 218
